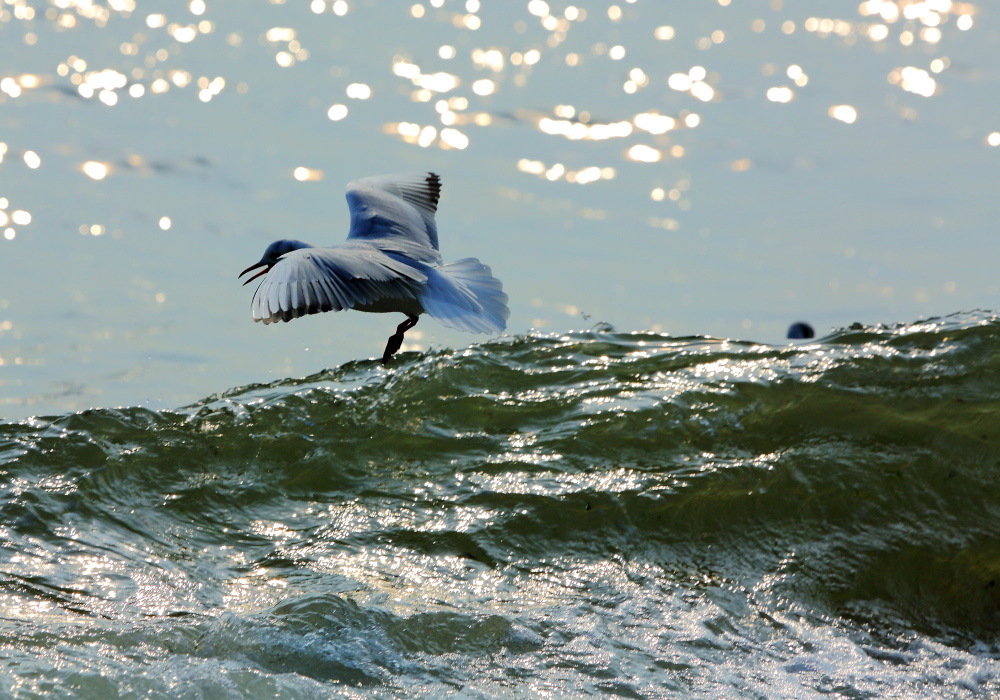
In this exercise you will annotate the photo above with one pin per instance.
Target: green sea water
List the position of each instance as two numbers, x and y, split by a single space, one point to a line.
604 513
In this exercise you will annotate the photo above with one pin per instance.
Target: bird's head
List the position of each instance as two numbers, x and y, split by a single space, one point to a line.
271 256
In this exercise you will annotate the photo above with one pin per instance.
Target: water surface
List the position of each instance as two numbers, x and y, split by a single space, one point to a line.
623 514
720 169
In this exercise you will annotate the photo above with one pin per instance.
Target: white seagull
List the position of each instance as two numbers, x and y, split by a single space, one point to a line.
389 263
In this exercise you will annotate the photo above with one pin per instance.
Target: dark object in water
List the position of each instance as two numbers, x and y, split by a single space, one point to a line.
800 330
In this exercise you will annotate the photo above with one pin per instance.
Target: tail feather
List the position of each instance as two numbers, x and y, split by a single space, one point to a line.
465 295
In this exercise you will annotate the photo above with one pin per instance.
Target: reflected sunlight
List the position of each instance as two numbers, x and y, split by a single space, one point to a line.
303 174
843 113
95 170
510 68
915 80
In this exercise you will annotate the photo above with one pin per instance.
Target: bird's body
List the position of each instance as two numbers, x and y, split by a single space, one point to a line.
389 264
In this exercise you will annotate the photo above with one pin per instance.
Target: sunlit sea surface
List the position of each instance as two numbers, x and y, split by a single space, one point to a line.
719 168
641 490
613 514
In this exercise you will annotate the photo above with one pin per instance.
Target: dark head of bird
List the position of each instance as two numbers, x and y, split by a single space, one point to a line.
271 256
800 330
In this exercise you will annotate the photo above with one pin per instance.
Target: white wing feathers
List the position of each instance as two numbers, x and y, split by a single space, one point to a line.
466 296
312 280
389 263
396 213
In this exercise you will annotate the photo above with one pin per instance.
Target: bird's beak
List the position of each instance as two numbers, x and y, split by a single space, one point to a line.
254 267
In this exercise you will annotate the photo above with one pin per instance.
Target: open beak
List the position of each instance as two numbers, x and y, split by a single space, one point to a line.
254 267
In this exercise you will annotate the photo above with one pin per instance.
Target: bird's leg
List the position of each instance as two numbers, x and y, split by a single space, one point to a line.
396 339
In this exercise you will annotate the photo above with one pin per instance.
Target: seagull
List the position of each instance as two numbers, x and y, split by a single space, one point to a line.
389 264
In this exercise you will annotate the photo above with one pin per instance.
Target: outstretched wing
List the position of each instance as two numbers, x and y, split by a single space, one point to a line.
396 213
313 280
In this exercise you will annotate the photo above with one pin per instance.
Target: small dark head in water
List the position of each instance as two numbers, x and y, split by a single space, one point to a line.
800 330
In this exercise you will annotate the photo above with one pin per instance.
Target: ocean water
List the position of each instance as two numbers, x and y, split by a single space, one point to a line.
597 513
720 169
641 490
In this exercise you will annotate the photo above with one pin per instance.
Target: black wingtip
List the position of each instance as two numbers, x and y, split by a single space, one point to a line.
434 188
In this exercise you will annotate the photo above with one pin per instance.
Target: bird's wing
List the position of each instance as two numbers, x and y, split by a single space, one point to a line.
312 280
396 213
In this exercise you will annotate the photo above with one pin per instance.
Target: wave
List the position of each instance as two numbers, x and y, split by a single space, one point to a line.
848 482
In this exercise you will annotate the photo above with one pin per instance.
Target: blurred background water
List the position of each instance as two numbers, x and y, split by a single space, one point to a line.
720 169
641 489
